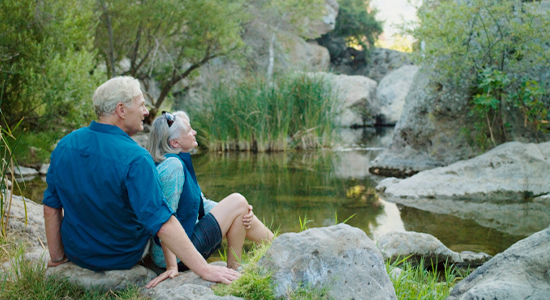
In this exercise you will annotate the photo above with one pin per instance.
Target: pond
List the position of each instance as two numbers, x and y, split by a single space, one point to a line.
325 187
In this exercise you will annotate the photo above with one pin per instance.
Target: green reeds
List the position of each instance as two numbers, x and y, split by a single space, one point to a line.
296 111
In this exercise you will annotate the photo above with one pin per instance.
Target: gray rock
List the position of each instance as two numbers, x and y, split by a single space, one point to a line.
391 93
474 259
25 172
109 280
508 172
317 28
34 233
491 189
187 285
44 169
340 258
520 272
398 245
190 292
357 93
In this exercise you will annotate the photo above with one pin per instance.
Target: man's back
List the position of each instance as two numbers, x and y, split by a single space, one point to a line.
107 186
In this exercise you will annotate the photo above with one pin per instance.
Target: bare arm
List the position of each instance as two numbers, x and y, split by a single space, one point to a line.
171 267
52 221
175 239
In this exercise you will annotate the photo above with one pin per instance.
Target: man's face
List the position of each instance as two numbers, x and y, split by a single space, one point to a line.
135 114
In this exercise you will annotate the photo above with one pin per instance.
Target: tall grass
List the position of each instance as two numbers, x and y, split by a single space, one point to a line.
296 111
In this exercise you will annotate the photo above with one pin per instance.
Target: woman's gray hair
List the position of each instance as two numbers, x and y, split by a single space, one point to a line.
160 135
115 90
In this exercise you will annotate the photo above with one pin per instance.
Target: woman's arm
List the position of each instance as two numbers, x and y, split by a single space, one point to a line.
171 267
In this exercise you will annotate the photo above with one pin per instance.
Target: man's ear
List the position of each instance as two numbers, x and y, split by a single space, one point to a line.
120 110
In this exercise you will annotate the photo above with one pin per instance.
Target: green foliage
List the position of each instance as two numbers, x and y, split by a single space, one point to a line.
492 48
47 70
163 42
529 99
35 147
293 112
417 281
25 280
463 37
356 22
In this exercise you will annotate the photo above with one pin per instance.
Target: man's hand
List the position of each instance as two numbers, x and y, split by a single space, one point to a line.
169 273
247 220
51 263
219 274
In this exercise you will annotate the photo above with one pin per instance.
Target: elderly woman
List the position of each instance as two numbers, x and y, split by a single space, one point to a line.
205 222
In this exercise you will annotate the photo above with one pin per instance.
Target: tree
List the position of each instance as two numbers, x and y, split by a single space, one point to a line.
357 23
493 49
162 42
47 72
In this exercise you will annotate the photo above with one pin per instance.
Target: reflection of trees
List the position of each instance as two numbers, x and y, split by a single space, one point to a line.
456 233
285 186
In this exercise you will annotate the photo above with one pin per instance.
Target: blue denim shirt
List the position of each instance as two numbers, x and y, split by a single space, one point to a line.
109 189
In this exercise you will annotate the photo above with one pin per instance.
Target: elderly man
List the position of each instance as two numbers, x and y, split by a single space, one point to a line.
104 200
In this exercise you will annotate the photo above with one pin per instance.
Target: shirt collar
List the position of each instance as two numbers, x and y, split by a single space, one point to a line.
106 128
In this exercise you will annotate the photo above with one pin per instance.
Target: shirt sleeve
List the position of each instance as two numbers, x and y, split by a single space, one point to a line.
145 195
51 198
172 178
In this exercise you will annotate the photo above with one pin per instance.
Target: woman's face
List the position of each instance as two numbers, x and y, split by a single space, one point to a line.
186 141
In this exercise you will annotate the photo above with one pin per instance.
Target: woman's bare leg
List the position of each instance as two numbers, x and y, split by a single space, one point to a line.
229 213
258 232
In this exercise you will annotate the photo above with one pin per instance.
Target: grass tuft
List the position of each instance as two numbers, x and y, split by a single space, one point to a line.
421 282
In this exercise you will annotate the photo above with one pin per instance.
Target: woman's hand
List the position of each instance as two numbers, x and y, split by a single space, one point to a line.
169 273
247 220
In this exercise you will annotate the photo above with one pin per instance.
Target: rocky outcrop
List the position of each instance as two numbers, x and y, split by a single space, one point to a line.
391 93
428 134
108 280
317 28
495 189
339 258
520 272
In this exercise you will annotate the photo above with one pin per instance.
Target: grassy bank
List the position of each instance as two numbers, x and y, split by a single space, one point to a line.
296 111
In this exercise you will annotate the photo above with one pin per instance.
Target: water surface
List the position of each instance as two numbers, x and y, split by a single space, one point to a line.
324 187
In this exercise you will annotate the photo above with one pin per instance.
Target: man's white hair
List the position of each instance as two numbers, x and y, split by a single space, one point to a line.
115 90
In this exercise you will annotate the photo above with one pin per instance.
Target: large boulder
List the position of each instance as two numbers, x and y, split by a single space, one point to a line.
520 272
391 93
34 232
317 28
495 189
428 133
357 95
109 280
339 258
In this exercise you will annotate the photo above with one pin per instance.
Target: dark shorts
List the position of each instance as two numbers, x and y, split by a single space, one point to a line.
207 237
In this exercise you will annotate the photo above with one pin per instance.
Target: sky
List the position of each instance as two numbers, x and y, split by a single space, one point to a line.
393 11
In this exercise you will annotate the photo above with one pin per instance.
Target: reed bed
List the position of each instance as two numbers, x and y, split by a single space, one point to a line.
292 112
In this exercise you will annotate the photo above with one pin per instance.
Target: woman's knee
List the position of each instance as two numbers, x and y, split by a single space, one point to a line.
239 201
